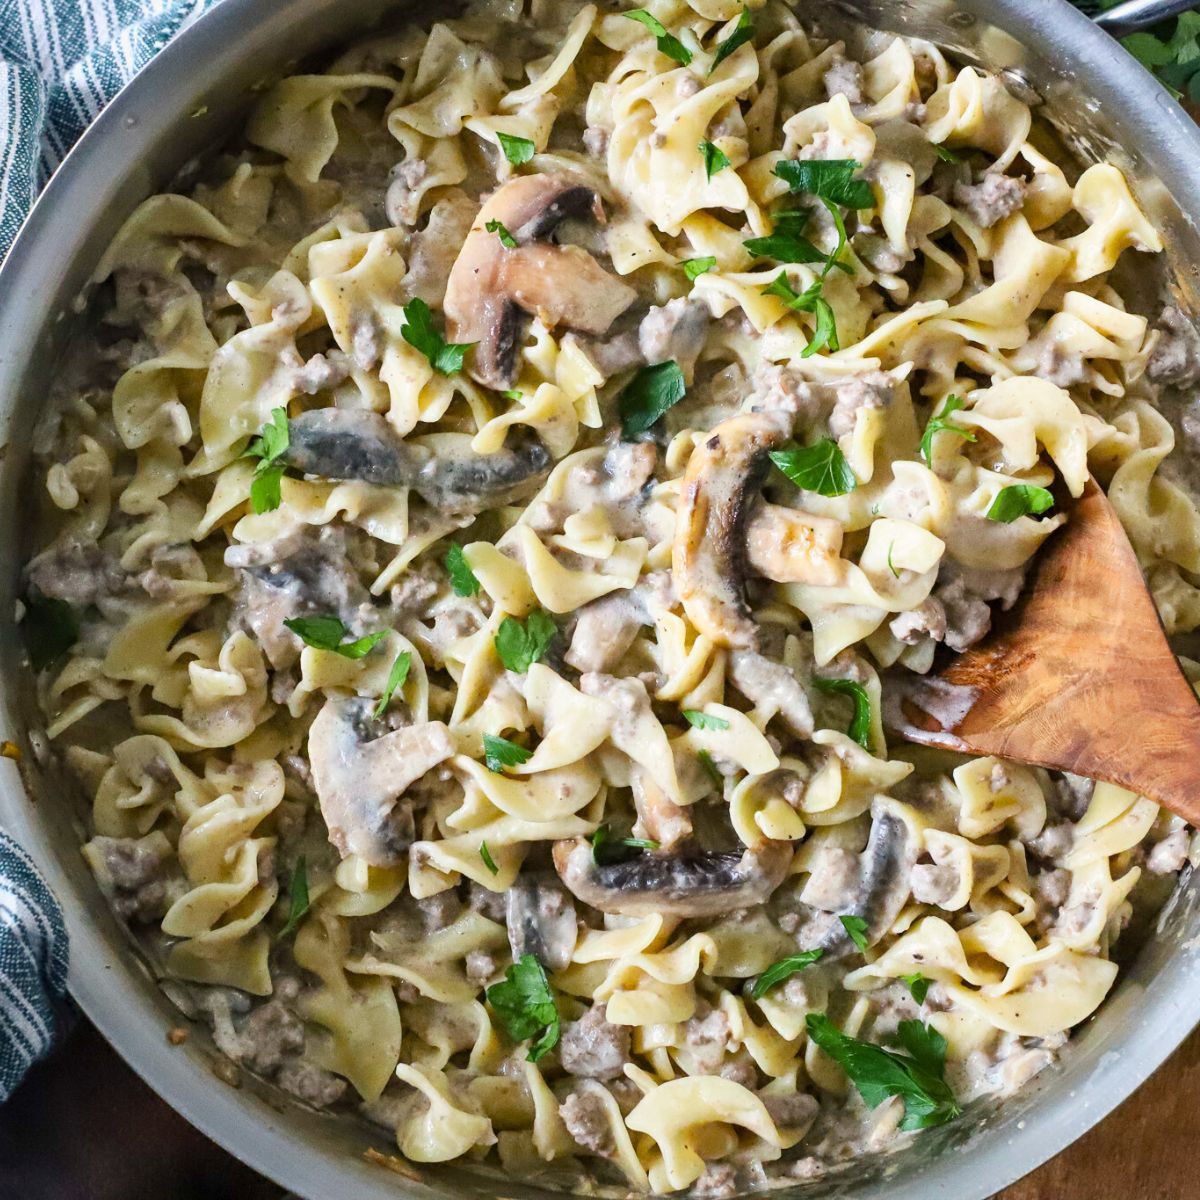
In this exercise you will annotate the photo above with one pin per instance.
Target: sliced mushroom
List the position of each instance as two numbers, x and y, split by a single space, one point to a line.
336 443
708 557
492 285
701 884
541 921
885 881
359 781
789 545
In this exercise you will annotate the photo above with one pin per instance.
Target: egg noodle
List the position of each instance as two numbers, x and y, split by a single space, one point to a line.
504 496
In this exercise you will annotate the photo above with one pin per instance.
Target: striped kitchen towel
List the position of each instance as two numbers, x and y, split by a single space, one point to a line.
33 964
61 62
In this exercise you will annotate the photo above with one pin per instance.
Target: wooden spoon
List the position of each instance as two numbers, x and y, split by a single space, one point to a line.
1078 677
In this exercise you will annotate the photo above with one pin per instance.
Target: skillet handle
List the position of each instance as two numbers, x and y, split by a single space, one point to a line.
1139 14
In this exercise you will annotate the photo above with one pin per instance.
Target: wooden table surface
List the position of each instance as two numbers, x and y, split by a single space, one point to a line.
84 1127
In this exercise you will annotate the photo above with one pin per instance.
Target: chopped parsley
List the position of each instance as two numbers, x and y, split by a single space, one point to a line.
917 1076
918 986
940 423
271 443
693 268
524 1003
891 565
946 154
820 468
668 44
743 32
500 230
298 897
860 723
1019 500
51 628
812 301
649 394
703 720
462 579
499 753
488 860
517 150
715 159
785 968
856 927
522 643
328 633
444 357
710 768
607 849
396 677
831 179
513 394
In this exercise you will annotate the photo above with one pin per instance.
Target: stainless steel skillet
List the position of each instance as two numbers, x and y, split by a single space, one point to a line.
189 98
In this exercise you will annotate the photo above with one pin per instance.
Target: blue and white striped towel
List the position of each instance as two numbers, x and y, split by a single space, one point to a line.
61 62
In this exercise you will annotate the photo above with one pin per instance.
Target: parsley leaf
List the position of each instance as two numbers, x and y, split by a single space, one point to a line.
462 579
743 32
396 677
831 179
513 394
668 44
499 753
945 153
693 268
522 643
860 724
51 628
856 927
270 444
606 849
1019 500
517 150
786 246
1174 61
710 768
444 357
298 895
715 159
703 720
918 1077
648 395
488 860
785 968
941 424
524 1003
810 300
327 633
499 229
820 468
918 986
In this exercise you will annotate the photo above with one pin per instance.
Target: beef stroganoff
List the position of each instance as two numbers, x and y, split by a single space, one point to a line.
495 512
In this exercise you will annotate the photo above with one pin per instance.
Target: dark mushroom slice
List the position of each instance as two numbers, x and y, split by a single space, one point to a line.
335 443
708 557
541 921
700 884
885 882
493 287
360 780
